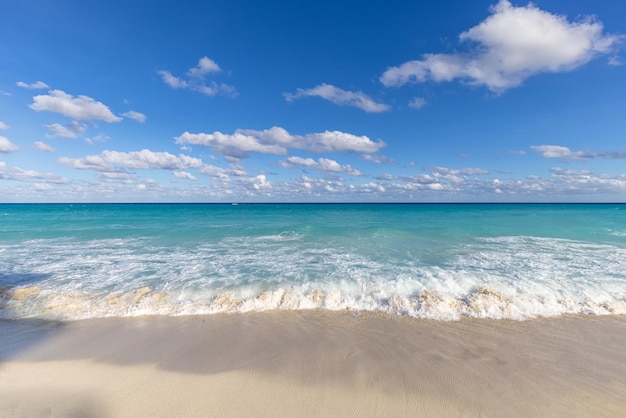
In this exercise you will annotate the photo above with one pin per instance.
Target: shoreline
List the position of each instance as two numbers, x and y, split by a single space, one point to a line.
313 363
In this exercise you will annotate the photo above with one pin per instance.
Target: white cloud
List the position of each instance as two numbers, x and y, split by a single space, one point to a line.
558 171
183 175
259 182
276 140
173 81
469 171
417 103
377 159
582 182
553 188
91 162
197 79
115 161
146 159
98 138
3 126
139 117
237 170
322 164
327 141
337 141
513 44
7 146
341 97
214 171
459 185
81 108
72 130
126 178
33 86
237 145
557 151
456 176
205 65
558 185
42 146
215 89
17 174
386 177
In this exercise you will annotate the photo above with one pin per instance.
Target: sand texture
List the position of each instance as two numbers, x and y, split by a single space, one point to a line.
313 363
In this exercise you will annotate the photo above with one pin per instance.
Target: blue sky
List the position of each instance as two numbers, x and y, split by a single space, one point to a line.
277 101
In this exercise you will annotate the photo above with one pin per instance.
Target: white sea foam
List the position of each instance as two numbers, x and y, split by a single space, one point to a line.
513 277
480 303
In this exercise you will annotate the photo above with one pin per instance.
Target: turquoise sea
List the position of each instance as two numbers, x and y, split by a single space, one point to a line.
438 261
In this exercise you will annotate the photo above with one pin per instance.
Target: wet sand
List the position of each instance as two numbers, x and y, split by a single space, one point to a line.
313 363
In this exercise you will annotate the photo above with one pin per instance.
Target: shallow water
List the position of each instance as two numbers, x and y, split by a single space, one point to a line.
439 261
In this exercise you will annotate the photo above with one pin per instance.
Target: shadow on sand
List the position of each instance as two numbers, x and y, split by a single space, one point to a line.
16 335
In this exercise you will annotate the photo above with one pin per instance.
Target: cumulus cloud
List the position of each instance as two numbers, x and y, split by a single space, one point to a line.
557 151
33 86
3 126
583 182
205 65
116 161
173 81
259 182
196 79
341 97
214 171
276 140
7 146
237 170
183 175
437 184
237 145
139 117
42 146
322 164
327 141
18 174
448 184
457 175
72 130
469 171
81 108
511 45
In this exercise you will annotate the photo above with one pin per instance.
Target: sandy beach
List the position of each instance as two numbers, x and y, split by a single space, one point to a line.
313 363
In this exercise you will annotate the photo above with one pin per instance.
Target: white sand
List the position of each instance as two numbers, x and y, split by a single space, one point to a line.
313 364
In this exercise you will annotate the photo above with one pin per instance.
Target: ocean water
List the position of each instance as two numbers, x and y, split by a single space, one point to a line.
438 261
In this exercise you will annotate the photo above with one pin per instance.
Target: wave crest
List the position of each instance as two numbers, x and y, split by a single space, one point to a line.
481 302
